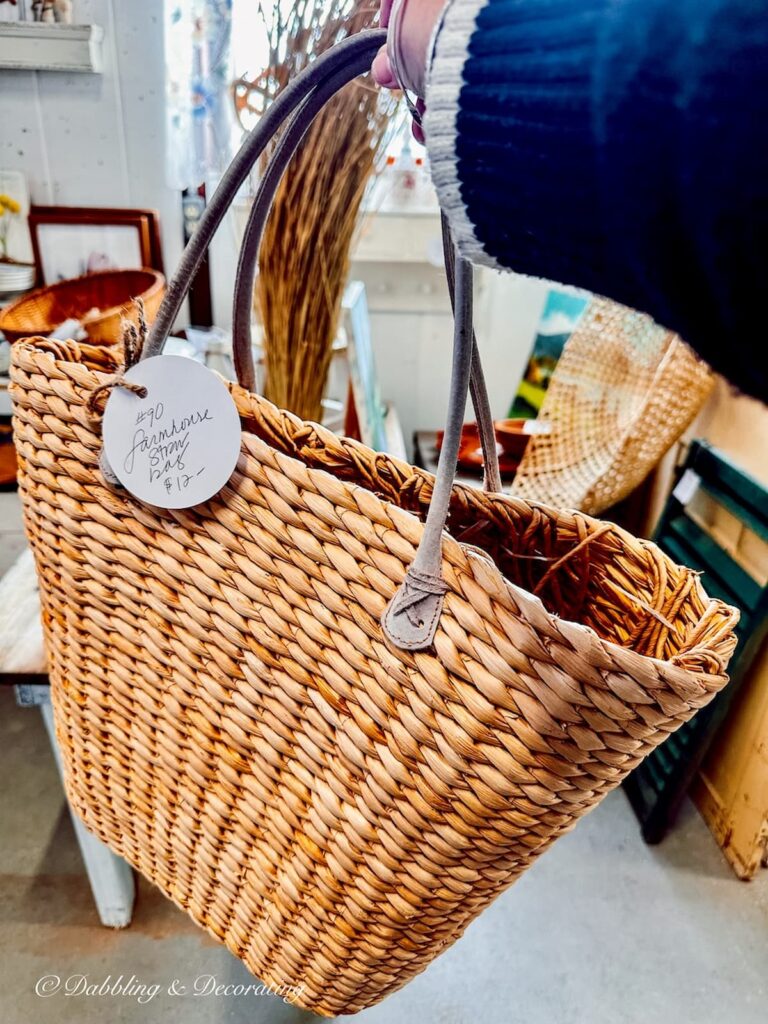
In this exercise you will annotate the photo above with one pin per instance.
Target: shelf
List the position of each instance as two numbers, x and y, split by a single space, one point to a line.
34 46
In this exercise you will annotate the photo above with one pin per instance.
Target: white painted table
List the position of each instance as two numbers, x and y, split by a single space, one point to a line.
23 663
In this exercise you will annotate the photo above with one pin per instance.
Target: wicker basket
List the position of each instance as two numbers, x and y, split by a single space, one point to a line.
240 709
99 301
623 392
232 722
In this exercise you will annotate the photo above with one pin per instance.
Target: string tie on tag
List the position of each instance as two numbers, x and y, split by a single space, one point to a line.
134 337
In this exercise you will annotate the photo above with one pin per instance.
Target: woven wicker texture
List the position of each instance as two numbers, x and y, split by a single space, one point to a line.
100 301
232 722
622 393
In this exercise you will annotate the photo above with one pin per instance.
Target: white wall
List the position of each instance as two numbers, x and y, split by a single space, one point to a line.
97 140
413 350
412 325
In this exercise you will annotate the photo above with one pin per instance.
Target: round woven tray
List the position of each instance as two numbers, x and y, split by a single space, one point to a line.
99 301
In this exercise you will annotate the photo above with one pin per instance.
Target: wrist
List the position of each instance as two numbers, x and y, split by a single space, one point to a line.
413 26
446 80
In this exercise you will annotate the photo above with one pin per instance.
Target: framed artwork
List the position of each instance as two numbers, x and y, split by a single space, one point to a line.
369 409
69 241
559 318
15 243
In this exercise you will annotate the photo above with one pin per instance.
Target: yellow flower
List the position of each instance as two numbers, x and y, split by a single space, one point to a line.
9 204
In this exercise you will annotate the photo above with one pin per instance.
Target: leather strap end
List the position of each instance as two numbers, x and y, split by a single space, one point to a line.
411 618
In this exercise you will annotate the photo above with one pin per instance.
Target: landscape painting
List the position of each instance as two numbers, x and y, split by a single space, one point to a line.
560 315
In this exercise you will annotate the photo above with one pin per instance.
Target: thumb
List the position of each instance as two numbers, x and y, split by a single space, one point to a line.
381 69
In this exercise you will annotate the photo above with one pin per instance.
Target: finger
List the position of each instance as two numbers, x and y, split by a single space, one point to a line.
381 69
384 13
418 133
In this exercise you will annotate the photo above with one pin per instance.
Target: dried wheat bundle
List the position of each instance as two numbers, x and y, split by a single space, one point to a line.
304 257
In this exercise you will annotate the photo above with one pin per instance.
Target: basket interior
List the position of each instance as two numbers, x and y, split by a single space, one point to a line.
94 294
584 570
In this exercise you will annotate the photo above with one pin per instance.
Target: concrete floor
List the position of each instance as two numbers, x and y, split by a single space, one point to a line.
12 540
602 930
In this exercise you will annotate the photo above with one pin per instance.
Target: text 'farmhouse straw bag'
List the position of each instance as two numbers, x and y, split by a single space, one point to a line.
329 725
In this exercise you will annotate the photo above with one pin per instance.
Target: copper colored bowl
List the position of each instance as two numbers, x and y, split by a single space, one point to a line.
471 452
513 436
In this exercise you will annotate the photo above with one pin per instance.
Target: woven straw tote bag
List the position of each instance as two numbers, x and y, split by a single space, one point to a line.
336 710
623 392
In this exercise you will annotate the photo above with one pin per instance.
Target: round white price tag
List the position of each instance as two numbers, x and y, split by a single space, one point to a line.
178 446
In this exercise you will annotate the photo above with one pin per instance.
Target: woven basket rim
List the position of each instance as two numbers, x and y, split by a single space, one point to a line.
79 355
469 553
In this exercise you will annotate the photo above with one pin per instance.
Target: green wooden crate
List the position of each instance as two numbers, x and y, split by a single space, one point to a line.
657 787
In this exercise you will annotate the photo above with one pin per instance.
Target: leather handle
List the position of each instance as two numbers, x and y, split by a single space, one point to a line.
477 386
245 279
349 58
411 619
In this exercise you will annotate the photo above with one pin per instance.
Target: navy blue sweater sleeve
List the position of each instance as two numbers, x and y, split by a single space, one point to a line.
617 145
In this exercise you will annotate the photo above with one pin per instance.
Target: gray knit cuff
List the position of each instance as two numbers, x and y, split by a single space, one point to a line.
443 89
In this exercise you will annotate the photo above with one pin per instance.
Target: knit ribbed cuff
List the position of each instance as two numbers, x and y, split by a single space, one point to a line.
443 90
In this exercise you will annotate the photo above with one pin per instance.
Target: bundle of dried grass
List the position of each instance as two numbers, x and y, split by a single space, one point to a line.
304 258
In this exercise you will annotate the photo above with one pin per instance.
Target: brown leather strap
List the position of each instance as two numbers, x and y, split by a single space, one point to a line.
412 616
477 386
351 57
290 139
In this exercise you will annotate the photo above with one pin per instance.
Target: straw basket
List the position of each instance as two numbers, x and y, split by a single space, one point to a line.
623 392
99 301
233 723
336 710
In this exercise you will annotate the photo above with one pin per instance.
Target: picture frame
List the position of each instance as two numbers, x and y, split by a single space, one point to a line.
18 244
367 416
559 318
69 241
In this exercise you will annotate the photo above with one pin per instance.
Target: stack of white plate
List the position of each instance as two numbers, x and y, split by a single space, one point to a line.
16 277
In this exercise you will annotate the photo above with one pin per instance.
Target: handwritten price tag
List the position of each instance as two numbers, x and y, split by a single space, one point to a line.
178 446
